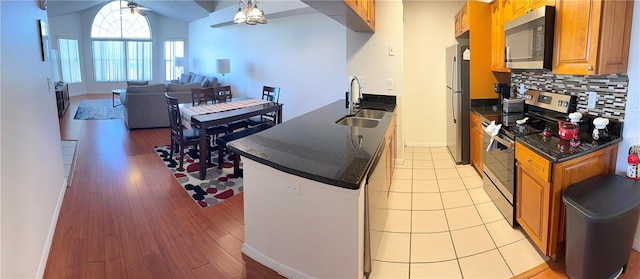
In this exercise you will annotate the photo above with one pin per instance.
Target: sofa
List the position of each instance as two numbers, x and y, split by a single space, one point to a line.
146 107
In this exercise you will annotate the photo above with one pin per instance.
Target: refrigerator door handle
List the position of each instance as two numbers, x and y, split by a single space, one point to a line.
453 106
453 76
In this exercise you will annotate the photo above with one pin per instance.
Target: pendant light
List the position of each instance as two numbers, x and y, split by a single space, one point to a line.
249 13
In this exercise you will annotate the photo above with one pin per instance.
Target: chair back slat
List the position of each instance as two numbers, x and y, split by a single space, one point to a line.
202 96
271 93
175 120
222 93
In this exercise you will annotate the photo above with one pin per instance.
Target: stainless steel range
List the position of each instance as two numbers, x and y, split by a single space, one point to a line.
543 109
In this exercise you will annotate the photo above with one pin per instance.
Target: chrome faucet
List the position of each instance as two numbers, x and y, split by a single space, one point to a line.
351 104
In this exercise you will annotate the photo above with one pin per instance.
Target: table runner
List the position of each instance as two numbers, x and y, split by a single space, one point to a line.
187 112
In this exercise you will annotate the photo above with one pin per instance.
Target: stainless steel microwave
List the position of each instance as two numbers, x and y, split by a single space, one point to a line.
528 40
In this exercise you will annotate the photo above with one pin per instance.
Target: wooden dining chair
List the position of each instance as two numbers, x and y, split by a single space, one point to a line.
223 94
181 137
202 96
271 94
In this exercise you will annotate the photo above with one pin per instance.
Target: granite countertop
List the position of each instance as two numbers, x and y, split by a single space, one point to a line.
313 146
551 148
558 150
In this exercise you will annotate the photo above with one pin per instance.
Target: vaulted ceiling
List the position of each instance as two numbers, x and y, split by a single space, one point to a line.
183 10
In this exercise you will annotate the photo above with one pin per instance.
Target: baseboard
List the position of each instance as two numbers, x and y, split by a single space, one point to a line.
636 244
52 229
423 144
272 264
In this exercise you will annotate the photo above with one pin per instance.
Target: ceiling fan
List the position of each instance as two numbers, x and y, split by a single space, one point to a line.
136 8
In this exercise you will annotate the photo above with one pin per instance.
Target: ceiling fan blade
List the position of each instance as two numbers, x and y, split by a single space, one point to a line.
141 12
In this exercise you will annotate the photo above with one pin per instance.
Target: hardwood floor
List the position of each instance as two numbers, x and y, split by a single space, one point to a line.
125 216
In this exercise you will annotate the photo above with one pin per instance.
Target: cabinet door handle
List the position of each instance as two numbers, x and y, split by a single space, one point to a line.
589 68
529 161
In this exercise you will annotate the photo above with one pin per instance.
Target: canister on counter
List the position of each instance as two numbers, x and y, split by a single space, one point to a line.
633 163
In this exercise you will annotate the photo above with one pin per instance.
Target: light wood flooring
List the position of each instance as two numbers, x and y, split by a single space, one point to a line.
125 216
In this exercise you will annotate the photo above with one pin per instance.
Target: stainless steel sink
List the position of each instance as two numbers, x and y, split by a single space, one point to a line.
355 121
370 113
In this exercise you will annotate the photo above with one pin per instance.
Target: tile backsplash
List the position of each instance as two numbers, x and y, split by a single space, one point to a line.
611 90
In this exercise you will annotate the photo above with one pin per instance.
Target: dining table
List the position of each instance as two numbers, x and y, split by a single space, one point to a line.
205 116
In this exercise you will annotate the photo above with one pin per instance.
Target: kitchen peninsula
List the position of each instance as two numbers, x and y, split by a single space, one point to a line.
305 183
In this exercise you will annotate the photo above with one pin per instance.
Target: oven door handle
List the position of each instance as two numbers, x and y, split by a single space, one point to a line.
507 144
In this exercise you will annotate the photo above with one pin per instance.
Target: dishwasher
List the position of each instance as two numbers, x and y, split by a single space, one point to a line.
376 208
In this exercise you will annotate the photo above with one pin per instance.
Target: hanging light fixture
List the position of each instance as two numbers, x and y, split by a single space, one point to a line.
249 13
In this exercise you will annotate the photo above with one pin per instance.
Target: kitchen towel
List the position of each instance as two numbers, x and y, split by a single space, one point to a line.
493 130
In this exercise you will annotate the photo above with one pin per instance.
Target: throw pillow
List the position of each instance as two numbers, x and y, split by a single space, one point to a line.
184 78
197 78
204 83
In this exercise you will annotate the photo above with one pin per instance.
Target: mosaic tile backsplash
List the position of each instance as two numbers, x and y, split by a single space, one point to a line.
611 90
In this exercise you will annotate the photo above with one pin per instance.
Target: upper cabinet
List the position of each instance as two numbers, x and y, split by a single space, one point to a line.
592 37
497 36
472 27
461 21
357 15
516 8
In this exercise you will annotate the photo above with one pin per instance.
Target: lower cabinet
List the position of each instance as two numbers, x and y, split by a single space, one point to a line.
390 150
539 187
475 142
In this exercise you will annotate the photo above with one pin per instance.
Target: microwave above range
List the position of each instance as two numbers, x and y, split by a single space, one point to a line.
528 40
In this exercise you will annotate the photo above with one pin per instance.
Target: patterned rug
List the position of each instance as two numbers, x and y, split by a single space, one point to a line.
98 109
219 184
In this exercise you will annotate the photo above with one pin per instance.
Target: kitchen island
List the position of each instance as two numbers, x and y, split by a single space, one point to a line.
305 183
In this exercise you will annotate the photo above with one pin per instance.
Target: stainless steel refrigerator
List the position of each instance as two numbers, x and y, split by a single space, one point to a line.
458 99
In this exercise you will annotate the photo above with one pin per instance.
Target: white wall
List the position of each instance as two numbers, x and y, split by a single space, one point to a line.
78 26
368 57
303 55
428 31
32 180
631 132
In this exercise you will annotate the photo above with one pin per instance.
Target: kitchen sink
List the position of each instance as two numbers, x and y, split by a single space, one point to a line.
370 113
355 121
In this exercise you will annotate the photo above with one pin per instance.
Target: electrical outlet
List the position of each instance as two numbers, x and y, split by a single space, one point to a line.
392 52
292 188
389 84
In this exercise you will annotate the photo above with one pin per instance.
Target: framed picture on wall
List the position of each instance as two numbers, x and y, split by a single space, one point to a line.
44 39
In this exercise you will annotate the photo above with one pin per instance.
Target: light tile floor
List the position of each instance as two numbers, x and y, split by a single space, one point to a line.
441 224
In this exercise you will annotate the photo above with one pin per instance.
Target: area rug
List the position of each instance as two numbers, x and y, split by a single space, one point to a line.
219 184
98 109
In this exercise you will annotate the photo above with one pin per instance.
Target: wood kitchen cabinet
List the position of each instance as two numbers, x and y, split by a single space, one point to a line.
539 187
390 149
592 37
461 21
473 28
517 8
357 15
497 36
475 142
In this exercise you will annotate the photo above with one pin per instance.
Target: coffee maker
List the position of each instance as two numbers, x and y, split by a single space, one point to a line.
503 90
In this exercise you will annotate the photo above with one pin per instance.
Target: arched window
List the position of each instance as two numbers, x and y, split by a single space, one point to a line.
122 46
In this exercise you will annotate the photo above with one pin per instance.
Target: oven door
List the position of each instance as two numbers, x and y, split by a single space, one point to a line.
499 173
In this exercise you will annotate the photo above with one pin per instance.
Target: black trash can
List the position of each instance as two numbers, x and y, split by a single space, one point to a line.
601 218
